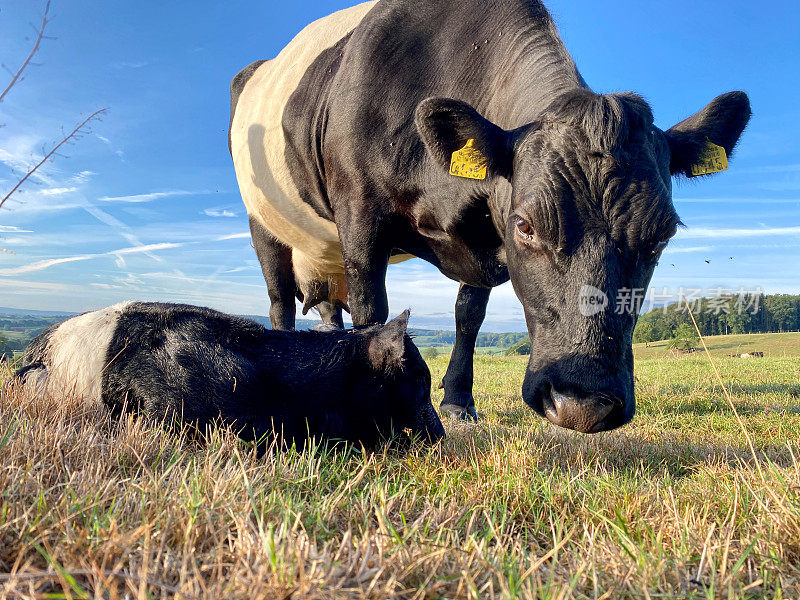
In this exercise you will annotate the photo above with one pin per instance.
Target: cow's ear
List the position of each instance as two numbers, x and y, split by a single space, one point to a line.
446 125
721 123
387 345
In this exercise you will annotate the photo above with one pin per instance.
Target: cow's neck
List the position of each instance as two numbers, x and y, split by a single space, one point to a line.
536 69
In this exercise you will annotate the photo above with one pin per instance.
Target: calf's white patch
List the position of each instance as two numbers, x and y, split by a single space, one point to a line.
76 353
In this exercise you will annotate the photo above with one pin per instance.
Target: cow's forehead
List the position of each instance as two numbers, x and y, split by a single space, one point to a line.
566 190
607 121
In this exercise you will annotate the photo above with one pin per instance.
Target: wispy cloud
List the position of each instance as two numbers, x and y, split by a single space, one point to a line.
214 212
121 228
58 194
112 147
41 265
57 191
13 229
717 233
688 250
82 177
130 64
149 197
146 249
20 152
234 236
749 201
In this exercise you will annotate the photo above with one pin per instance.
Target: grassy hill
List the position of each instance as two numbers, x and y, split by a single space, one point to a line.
771 344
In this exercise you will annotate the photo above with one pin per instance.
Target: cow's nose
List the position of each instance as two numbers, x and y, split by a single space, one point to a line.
585 415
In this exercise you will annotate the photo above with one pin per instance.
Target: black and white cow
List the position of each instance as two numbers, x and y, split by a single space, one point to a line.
200 365
461 132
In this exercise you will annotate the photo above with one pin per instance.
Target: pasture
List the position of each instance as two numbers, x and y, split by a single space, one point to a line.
676 504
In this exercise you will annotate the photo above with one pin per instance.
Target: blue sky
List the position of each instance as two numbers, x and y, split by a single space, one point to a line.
147 207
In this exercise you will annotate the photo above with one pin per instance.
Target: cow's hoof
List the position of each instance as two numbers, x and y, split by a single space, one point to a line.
461 413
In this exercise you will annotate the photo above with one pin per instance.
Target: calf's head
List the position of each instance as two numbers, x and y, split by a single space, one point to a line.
587 214
400 382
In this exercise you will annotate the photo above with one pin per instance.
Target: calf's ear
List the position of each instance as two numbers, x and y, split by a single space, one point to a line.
721 122
387 346
446 125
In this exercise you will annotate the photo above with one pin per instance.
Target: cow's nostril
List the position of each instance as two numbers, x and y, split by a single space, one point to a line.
585 416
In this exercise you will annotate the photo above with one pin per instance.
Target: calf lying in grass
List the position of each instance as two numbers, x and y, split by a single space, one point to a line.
201 366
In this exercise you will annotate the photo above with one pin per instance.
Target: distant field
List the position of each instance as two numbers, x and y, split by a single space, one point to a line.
674 505
446 350
15 335
771 344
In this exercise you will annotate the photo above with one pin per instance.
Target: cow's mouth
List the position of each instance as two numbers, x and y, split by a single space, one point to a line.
577 410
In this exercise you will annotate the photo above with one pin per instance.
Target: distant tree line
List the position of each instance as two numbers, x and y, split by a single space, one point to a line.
9 346
429 337
722 315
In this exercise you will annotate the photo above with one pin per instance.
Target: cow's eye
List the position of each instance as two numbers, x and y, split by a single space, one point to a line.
659 247
524 228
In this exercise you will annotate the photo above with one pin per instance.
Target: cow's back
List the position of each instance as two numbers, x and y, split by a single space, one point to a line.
258 148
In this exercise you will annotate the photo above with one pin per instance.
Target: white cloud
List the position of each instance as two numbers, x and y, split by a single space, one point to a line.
41 265
234 236
135 198
59 194
117 225
20 153
111 147
13 229
688 250
130 64
145 249
749 201
213 212
82 177
57 191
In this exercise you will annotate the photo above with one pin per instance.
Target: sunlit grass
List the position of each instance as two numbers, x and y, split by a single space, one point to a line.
672 505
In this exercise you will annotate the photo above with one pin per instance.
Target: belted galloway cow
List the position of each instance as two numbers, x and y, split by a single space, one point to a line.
462 133
200 366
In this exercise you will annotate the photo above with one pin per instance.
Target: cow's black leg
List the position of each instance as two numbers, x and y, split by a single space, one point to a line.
276 265
366 286
457 383
331 314
365 249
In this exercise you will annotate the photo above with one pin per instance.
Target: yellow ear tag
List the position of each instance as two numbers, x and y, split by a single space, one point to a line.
469 162
713 160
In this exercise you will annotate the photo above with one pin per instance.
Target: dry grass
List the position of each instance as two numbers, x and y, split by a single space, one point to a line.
673 505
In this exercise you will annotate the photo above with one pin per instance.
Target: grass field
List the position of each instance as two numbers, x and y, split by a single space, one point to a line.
771 344
674 505
15 335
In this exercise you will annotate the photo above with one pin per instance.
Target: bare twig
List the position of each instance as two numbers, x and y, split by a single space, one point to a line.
39 37
55 148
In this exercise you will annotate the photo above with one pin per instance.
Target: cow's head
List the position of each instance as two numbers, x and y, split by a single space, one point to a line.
590 213
400 381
